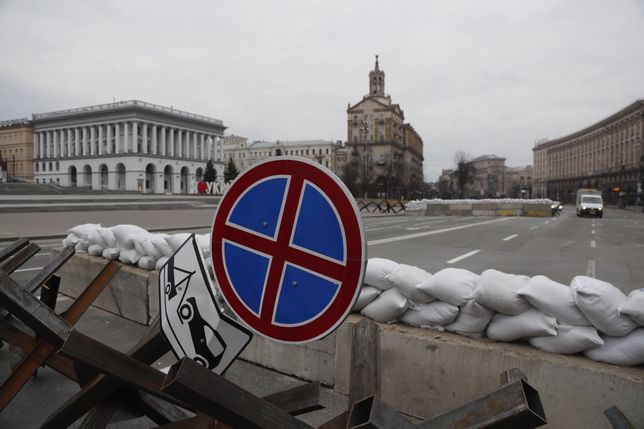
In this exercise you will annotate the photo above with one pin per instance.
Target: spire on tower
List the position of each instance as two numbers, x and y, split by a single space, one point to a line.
377 68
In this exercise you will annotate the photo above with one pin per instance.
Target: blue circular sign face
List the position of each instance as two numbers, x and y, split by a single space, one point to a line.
288 249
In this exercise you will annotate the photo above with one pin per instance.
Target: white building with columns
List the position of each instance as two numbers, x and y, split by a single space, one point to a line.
127 145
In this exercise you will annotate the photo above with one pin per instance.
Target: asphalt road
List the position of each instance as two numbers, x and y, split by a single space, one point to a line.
562 247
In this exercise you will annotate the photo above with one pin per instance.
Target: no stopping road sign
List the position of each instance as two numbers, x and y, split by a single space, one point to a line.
288 249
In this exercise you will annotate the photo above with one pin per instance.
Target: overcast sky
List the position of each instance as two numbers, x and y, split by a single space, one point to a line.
485 77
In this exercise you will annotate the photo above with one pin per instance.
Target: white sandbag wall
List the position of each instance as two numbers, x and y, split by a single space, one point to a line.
590 316
131 244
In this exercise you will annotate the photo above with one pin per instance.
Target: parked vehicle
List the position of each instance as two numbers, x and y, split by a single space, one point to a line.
590 202
556 207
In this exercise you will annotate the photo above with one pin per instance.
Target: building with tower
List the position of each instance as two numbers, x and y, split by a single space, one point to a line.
386 154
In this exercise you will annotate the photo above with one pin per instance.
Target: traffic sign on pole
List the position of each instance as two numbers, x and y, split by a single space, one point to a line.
288 249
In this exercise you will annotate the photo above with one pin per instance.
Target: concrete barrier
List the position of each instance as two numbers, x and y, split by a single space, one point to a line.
487 208
423 372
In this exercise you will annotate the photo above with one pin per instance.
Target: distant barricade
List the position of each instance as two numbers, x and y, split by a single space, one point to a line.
380 206
487 207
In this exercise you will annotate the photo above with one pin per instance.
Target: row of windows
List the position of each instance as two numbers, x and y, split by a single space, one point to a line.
10 167
295 152
45 164
17 151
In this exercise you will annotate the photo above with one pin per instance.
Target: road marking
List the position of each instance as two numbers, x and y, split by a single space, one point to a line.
437 231
547 222
510 237
466 255
590 271
24 270
593 243
533 228
592 232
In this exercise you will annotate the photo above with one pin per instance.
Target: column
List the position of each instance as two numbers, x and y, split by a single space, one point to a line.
108 139
135 137
154 141
179 144
118 142
76 142
48 144
163 132
171 142
144 132
70 143
193 143
41 145
55 143
83 145
202 146
126 138
36 146
92 140
100 139
221 149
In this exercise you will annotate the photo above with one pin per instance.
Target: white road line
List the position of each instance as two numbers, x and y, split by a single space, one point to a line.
593 243
510 237
24 270
590 271
466 255
547 222
592 232
437 231
533 228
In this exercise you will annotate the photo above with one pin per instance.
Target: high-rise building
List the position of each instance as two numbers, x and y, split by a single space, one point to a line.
386 153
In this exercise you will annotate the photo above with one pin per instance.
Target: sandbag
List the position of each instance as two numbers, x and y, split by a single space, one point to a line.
387 307
452 285
111 253
377 271
553 299
472 319
634 306
367 294
176 240
625 350
146 262
598 301
129 256
108 237
409 280
203 241
434 314
125 235
82 231
162 245
498 291
70 240
82 245
569 340
532 323
95 250
95 238
143 243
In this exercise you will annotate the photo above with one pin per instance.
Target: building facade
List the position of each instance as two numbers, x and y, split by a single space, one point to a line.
518 182
16 149
128 145
386 152
608 156
245 154
488 177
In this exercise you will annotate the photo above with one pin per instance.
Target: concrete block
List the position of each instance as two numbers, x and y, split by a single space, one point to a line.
153 294
343 338
463 206
312 361
127 295
415 212
509 212
460 212
484 212
485 206
437 210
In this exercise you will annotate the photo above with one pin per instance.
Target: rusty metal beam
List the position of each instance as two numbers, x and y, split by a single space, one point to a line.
149 348
49 292
22 256
513 405
49 269
31 311
26 342
13 248
44 348
372 413
297 400
217 397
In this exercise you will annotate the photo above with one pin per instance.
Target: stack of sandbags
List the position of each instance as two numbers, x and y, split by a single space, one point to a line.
575 334
131 244
378 299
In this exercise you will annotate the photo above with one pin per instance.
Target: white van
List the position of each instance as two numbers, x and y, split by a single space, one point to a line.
590 202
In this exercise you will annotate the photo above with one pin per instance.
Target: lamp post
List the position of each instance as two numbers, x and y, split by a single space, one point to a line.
364 127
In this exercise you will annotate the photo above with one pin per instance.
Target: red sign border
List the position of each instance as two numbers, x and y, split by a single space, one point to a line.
356 248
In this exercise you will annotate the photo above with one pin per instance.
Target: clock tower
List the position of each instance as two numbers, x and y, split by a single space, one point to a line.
376 81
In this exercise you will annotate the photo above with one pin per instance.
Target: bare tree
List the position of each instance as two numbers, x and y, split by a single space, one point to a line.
464 171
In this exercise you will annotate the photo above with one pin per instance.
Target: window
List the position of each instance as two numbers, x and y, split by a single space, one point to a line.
36 166
57 165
